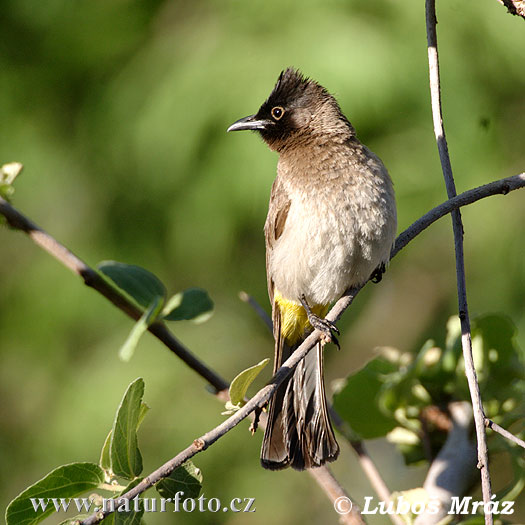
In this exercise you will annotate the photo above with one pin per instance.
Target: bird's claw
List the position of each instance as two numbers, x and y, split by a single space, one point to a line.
377 275
255 423
328 328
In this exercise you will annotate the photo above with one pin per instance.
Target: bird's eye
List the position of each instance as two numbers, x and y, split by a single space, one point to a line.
277 112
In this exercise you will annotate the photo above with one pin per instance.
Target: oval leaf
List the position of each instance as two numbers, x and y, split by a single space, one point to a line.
126 460
105 459
187 478
66 481
239 386
357 403
144 409
193 303
8 174
141 285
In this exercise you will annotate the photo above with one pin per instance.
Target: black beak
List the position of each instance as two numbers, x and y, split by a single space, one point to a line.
250 122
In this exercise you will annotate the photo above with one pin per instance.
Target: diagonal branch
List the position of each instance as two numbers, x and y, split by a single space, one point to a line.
367 465
206 440
348 511
93 279
498 187
505 433
18 221
457 224
259 310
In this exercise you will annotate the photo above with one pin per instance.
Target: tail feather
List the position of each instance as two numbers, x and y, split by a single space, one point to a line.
298 432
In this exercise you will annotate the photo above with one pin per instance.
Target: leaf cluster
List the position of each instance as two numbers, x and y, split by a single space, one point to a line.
147 292
118 470
404 396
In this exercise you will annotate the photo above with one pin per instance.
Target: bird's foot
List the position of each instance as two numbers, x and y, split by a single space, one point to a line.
255 423
325 326
377 275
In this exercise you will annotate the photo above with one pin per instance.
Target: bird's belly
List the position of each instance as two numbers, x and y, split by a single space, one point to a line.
322 253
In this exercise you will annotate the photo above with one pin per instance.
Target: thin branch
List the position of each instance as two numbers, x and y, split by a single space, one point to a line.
68 259
466 342
206 440
498 187
372 473
349 512
375 478
505 433
369 468
93 279
259 310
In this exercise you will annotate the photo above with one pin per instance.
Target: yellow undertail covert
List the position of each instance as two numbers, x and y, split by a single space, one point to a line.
294 319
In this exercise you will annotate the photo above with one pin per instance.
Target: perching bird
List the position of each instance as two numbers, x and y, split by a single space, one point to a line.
331 225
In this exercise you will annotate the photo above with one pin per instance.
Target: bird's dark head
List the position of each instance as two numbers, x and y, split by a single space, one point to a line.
297 109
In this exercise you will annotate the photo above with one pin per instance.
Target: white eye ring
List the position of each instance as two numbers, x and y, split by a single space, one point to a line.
277 112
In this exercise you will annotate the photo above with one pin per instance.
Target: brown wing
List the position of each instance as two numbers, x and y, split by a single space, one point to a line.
273 229
275 223
298 431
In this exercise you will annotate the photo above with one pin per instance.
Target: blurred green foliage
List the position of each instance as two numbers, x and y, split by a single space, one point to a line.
406 396
118 111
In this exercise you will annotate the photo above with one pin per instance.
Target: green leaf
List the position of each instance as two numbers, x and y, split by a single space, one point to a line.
139 328
122 517
357 402
126 460
501 352
8 174
193 303
187 478
239 386
6 192
141 285
452 352
144 409
66 481
105 458
412 454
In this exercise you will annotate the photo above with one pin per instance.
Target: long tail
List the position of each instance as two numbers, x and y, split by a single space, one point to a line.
298 432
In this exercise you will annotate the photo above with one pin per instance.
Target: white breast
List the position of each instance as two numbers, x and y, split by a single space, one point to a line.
336 234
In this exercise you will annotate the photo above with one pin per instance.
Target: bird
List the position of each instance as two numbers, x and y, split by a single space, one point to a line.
331 225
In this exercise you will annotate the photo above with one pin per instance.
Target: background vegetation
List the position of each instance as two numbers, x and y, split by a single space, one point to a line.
118 111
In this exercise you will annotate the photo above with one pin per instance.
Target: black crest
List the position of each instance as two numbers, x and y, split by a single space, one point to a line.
297 107
293 97
294 90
